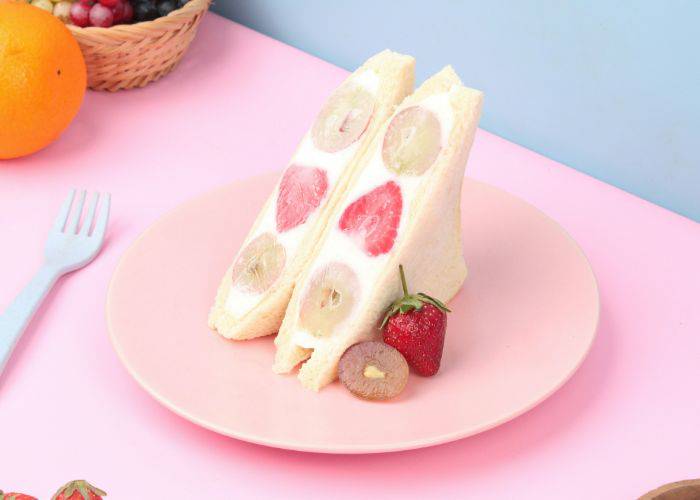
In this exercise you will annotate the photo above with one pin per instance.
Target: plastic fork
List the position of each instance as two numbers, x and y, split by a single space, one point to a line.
70 246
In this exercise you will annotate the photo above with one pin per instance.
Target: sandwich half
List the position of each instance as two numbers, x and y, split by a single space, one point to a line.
255 290
403 207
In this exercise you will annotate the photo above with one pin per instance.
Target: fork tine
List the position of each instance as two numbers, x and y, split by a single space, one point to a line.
72 226
62 216
87 221
102 218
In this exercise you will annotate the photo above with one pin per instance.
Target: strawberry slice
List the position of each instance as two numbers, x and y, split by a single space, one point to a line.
373 219
300 193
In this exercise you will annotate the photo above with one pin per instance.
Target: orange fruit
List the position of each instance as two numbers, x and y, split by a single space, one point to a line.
42 79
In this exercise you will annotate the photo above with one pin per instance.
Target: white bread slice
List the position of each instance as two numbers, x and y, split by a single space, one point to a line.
391 78
428 242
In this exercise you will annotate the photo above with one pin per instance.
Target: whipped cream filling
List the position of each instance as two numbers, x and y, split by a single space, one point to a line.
339 248
239 301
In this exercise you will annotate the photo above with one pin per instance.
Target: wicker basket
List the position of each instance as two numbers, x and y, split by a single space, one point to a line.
133 55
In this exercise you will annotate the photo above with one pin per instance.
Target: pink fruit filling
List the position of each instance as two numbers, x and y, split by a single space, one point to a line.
301 191
373 219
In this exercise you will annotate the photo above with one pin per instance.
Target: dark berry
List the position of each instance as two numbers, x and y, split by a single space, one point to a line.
128 14
166 7
145 11
118 11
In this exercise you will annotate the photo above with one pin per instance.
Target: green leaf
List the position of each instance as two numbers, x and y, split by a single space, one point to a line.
409 303
84 492
432 300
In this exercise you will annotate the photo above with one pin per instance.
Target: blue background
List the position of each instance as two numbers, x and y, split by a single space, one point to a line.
609 88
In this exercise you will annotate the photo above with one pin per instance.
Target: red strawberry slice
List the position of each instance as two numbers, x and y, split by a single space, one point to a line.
373 219
300 193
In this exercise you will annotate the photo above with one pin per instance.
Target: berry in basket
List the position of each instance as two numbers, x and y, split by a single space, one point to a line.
101 16
62 10
106 13
166 7
145 10
80 14
133 55
43 4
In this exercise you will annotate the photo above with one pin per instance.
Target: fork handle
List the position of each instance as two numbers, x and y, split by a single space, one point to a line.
18 314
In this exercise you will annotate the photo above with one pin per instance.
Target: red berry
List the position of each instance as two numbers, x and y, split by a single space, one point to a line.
373 219
128 14
101 16
16 496
415 325
118 11
300 193
420 336
80 14
109 3
77 490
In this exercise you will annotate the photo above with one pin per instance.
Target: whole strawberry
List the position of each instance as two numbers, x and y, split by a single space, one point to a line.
78 490
415 325
15 496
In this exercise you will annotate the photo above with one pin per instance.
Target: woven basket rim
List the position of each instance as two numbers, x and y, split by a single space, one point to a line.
188 10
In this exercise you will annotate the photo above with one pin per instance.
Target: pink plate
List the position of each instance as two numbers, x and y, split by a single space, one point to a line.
523 322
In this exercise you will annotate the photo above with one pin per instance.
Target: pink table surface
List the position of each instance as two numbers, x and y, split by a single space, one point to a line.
627 421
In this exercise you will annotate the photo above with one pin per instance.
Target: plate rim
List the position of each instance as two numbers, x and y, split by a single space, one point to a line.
344 449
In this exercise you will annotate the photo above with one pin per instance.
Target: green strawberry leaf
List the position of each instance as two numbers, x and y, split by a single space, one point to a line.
80 486
409 302
432 300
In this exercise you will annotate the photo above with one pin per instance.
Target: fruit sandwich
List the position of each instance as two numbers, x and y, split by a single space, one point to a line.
402 207
256 289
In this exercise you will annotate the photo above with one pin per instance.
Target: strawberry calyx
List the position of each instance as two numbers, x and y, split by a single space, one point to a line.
81 486
410 302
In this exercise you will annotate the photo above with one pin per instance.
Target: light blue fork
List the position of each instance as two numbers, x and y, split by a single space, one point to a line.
68 248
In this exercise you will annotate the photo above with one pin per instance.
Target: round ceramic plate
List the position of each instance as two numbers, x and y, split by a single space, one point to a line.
521 325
